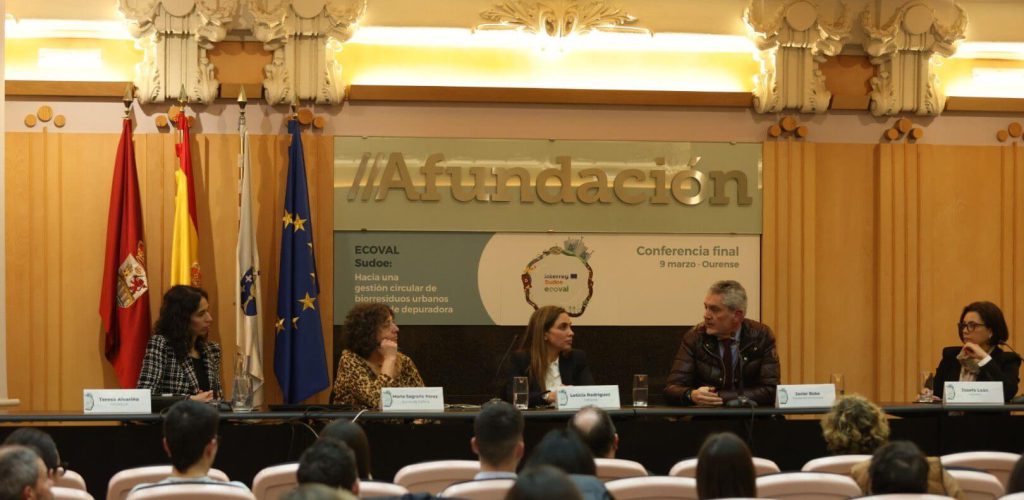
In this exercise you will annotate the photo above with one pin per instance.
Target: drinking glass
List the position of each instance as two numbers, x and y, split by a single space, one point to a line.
925 382
839 381
242 386
640 390
521 392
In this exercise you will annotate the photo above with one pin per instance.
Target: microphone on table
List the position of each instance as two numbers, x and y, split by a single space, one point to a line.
504 358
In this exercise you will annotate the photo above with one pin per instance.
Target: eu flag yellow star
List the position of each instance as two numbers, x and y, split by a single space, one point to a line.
287 219
300 223
279 326
307 302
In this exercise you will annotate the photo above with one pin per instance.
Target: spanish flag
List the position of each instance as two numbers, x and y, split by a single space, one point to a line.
185 243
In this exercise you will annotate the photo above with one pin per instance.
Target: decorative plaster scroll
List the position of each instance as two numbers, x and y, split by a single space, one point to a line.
904 51
558 18
175 35
304 36
792 41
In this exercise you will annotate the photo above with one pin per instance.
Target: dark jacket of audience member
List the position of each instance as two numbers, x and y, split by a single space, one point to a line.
1016 482
725 468
352 434
898 467
563 449
330 462
543 482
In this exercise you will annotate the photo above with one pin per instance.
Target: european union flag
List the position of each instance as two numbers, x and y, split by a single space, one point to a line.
300 361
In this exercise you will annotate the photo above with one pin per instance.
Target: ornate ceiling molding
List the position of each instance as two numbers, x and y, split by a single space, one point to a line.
792 40
175 35
558 18
303 35
903 50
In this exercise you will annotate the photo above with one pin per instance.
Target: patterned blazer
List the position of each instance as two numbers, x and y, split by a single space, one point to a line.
163 373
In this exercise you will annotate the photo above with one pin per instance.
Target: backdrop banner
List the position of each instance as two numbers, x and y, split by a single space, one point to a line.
433 278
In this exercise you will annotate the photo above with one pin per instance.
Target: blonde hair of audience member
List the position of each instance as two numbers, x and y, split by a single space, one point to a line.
725 468
536 344
854 425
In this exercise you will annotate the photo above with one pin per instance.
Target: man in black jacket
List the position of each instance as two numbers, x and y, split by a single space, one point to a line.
727 357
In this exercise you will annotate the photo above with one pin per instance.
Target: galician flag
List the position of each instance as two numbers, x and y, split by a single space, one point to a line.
124 297
300 362
248 334
185 241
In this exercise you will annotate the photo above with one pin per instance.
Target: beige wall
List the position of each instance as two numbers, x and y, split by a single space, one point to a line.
870 250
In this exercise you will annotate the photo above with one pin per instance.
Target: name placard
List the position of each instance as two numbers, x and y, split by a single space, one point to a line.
972 393
116 401
412 399
805 395
578 396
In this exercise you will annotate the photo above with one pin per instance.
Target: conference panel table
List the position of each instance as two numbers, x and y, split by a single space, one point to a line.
97 446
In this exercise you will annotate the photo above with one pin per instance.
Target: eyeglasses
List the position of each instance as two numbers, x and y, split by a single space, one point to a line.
970 326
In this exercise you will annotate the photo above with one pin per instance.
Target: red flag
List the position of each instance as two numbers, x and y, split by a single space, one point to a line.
124 298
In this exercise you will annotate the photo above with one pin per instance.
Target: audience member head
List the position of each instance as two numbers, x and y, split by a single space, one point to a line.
330 462
542 482
854 425
352 434
563 449
23 474
190 436
546 334
725 468
898 467
498 437
41 443
365 324
1016 482
316 491
184 318
595 427
993 330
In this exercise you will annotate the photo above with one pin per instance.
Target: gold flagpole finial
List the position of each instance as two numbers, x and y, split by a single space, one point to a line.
242 100
129 96
183 95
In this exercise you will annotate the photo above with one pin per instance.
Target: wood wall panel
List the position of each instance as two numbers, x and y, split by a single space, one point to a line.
846 190
788 257
58 188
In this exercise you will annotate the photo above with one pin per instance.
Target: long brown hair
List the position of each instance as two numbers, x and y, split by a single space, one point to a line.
533 341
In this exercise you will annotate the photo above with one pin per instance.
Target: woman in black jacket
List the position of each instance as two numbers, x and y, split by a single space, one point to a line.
545 355
982 331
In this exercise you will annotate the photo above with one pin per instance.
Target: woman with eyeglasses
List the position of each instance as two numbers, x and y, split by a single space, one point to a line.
982 330
372 360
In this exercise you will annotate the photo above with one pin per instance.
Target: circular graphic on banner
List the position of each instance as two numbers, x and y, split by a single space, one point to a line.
560 276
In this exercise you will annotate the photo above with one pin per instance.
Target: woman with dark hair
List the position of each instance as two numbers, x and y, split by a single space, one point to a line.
180 358
41 443
351 434
725 468
545 355
564 449
541 483
982 330
372 360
